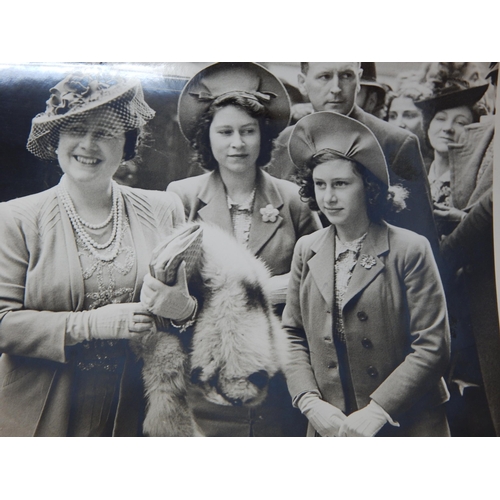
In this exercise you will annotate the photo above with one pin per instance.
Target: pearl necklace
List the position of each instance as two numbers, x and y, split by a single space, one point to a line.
79 225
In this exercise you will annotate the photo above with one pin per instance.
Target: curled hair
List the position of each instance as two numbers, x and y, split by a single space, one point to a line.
381 200
203 155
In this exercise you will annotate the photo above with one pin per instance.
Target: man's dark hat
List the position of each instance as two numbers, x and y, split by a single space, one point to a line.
369 78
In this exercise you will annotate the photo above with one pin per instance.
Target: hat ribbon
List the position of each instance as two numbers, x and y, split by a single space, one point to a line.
333 151
262 97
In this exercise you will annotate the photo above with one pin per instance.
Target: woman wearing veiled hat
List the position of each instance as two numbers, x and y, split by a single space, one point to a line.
365 309
230 113
72 261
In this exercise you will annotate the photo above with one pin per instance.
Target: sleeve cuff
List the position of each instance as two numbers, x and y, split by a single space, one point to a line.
378 408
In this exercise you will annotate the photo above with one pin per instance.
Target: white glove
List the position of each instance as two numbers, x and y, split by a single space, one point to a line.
324 417
110 322
172 302
365 422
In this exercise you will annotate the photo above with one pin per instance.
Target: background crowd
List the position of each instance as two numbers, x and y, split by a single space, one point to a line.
435 125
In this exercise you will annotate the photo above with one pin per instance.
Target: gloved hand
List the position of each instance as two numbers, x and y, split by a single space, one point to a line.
365 422
172 302
324 417
110 322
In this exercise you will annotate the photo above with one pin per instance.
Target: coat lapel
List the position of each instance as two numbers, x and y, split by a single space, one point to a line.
321 265
76 285
213 202
266 194
142 250
375 244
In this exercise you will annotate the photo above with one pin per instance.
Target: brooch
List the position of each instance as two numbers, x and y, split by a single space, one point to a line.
367 261
269 213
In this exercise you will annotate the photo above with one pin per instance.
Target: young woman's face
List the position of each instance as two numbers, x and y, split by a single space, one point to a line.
340 194
404 114
446 127
234 139
90 150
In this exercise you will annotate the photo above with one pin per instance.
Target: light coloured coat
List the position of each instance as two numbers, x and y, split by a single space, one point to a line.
204 198
395 324
40 281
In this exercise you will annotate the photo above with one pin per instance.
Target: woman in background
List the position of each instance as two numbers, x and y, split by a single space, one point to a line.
403 113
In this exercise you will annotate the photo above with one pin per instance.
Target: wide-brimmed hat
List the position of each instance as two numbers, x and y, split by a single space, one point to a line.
452 95
225 79
72 99
326 131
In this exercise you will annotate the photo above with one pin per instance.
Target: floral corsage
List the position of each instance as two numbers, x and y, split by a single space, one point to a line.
269 213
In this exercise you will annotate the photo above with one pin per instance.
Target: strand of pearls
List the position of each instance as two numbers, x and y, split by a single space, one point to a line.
110 216
90 244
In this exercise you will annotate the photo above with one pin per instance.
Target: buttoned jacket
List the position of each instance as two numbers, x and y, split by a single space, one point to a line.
204 197
395 320
40 281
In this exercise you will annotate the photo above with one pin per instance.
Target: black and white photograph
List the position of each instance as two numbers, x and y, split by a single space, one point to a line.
248 249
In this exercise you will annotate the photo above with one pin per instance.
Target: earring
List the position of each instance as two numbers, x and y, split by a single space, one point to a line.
56 151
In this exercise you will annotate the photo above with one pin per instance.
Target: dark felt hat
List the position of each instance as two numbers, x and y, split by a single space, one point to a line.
326 131
451 96
225 79
369 78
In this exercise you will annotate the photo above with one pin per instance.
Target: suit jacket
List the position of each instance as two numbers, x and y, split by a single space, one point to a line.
395 322
40 281
406 167
204 197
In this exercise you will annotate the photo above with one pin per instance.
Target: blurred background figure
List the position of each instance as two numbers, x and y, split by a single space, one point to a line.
469 252
461 177
402 112
371 97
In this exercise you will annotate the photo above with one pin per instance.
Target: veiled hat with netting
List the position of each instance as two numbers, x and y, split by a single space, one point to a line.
118 103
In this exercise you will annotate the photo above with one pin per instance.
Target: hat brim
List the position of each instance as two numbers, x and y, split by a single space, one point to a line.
465 97
191 108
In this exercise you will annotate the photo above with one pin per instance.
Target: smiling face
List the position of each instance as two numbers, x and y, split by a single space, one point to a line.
90 150
446 127
331 86
340 194
235 139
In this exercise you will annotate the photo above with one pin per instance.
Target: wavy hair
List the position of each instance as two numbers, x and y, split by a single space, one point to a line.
203 155
381 199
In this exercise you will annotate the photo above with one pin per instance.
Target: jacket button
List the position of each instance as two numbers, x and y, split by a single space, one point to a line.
362 316
372 371
366 343
332 364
